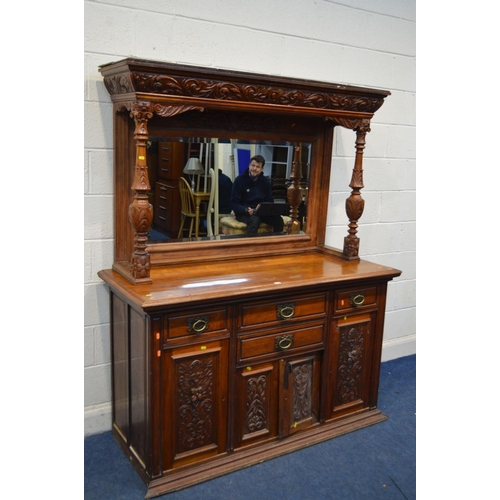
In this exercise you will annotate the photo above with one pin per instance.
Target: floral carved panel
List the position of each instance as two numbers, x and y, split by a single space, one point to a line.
195 407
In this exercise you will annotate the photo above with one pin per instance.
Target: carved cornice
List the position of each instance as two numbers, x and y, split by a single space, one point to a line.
227 87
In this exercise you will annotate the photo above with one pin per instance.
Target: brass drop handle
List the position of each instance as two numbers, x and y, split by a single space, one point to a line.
197 325
285 311
358 300
283 343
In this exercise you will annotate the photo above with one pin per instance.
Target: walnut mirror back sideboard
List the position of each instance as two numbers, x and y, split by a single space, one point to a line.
228 351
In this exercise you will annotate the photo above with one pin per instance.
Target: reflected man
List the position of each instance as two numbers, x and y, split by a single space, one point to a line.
249 190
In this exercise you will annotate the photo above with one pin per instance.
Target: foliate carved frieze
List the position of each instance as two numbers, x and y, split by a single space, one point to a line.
228 91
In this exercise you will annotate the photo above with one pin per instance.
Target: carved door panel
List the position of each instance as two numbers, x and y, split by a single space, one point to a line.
299 393
349 384
195 403
256 407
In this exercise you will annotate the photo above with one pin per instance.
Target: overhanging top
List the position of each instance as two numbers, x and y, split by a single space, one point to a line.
173 84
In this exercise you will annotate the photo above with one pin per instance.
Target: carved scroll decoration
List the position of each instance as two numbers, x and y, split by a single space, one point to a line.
196 406
229 91
168 111
350 364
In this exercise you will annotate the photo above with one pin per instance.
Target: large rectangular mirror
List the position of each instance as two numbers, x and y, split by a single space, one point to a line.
191 204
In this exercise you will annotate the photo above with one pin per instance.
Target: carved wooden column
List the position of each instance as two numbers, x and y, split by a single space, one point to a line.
295 192
355 204
141 211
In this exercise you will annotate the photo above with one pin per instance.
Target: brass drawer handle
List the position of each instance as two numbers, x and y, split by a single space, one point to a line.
197 325
358 300
285 311
283 343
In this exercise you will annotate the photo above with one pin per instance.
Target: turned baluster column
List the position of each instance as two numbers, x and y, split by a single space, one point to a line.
295 192
355 204
141 211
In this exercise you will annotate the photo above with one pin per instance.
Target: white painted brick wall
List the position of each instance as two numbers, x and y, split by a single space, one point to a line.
360 42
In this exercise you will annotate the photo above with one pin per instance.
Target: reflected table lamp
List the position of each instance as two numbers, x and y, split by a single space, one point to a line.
193 167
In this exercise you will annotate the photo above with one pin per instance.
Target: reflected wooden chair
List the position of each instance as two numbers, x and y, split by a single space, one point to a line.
188 210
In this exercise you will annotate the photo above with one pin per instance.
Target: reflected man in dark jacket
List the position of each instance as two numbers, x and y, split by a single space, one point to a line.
249 190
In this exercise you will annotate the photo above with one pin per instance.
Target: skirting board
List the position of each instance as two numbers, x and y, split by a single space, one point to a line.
399 348
98 418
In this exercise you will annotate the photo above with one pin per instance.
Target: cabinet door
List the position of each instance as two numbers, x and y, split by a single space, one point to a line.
256 410
195 403
277 399
299 393
352 353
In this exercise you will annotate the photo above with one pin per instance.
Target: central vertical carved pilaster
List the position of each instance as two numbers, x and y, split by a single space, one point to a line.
302 393
355 204
256 415
141 211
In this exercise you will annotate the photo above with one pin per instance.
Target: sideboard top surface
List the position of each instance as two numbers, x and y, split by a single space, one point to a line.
182 283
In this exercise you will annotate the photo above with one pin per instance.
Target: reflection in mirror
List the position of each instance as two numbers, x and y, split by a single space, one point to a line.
184 194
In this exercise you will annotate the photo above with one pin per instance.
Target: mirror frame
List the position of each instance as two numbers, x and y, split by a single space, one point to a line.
151 96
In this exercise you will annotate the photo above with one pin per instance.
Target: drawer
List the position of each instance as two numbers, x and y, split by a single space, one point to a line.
288 341
196 323
356 298
258 314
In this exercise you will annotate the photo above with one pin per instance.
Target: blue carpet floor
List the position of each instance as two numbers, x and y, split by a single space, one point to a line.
375 463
